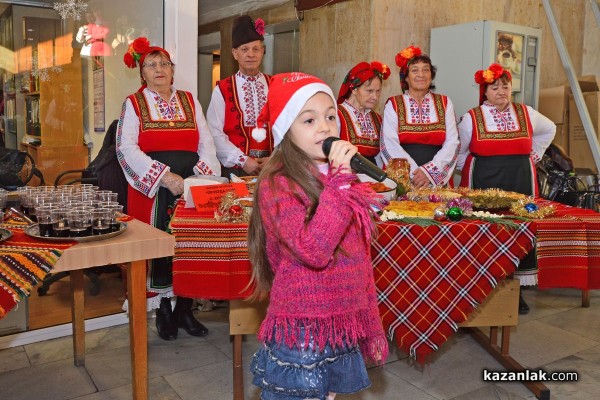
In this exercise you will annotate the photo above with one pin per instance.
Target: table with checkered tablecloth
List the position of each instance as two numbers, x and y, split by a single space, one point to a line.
430 278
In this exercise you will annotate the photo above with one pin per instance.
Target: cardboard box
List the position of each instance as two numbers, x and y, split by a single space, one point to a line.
554 104
579 146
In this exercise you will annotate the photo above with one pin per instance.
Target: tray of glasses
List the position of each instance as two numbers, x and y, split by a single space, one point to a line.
33 231
5 234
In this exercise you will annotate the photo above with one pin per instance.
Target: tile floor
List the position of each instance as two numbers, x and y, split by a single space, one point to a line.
557 335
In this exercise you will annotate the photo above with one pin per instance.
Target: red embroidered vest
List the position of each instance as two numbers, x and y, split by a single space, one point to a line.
433 133
348 131
238 134
163 135
486 143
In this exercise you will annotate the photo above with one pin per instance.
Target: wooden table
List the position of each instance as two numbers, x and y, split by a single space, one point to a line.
207 251
137 244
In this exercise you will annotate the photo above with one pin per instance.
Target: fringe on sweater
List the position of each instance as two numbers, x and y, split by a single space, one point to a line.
359 196
338 330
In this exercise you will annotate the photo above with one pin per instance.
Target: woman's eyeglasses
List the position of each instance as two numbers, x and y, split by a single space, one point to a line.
154 65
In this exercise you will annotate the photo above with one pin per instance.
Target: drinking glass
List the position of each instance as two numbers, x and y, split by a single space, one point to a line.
43 214
80 223
60 225
101 221
116 210
3 199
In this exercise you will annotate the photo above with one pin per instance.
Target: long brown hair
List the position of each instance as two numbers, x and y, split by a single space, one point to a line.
291 162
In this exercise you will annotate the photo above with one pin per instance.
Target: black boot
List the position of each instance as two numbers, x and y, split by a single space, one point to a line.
523 307
165 320
185 317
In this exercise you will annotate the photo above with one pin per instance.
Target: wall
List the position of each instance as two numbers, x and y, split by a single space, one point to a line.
336 37
283 13
591 43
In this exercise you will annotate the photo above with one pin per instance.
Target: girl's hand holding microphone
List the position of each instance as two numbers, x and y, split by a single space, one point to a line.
340 155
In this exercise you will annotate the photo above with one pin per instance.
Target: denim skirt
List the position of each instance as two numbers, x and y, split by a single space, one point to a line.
285 373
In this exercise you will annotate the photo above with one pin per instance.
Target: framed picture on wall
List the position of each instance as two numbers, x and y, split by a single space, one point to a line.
99 93
509 51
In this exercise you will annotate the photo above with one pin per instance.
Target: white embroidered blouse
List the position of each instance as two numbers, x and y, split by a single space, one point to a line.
141 171
502 121
439 169
252 94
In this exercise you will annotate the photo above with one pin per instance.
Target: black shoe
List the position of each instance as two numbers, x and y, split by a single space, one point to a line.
523 307
185 317
165 320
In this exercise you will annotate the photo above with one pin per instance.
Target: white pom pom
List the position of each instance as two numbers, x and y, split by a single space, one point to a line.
259 134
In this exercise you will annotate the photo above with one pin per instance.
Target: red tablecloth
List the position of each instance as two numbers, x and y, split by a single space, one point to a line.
211 259
568 249
431 278
24 262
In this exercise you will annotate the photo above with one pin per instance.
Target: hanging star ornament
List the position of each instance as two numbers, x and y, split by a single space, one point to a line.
71 8
36 71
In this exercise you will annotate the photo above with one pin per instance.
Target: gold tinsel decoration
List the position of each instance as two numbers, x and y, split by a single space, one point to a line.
492 199
529 209
230 211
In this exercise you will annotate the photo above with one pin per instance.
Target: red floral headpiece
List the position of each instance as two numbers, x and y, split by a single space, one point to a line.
485 77
137 51
491 74
359 74
259 25
404 57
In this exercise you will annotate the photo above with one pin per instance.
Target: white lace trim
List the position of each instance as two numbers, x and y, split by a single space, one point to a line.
527 279
152 303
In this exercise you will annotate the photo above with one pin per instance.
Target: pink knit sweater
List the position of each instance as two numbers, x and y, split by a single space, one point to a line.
330 294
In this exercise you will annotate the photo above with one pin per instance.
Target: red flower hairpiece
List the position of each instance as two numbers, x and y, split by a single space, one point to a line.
403 58
259 25
135 51
490 75
382 70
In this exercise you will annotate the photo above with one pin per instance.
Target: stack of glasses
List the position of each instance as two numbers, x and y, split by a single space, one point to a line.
71 210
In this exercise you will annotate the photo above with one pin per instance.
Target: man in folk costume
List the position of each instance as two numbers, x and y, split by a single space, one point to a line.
162 138
420 125
237 101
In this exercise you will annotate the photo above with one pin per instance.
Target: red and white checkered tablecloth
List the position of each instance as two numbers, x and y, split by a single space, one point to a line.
431 278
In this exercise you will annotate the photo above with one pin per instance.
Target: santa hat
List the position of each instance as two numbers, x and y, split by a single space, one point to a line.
359 74
485 77
288 93
244 30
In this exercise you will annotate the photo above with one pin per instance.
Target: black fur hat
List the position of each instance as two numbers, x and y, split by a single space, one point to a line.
245 30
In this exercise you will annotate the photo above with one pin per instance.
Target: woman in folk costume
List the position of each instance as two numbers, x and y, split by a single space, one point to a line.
359 124
162 138
500 144
420 125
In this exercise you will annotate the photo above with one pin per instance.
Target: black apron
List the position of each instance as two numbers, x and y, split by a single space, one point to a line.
181 163
510 173
421 153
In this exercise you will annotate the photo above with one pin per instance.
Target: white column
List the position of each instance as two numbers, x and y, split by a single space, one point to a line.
181 41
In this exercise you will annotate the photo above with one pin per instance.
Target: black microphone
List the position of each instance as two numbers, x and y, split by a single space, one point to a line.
358 162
